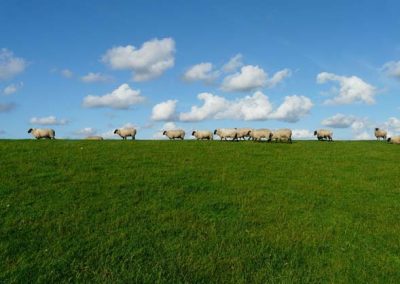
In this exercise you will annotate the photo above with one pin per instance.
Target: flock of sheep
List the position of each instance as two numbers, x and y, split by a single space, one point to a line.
234 134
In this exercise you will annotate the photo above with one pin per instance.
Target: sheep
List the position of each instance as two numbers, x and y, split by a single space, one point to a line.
259 134
242 133
281 134
202 134
172 134
126 132
379 133
94 138
42 133
394 140
225 133
323 134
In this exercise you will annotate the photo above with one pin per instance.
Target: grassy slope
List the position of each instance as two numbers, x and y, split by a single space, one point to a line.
151 211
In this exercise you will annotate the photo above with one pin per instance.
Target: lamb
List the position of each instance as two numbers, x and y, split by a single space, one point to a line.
394 140
379 133
202 134
225 133
94 138
126 132
323 134
259 134
281 134
172 134
39 133
242 133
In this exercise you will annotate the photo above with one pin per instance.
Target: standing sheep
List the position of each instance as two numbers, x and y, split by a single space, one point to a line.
202 134
172 134
242 133
379 133
281 134
259 134
225 133
394 140
126 132
323 134
39 133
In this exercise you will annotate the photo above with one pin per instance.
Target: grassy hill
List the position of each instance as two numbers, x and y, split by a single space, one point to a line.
190 211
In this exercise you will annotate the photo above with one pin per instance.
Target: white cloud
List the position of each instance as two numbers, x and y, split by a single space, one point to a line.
48 120
363 136
201 72
167 126
233 64
293 108
87 131
255 107
11 89
393 123
67 73
121 98
279 77
96 77
342 121
392 69
249 78
150 61
10 65
6 107
352 89
164 111
302 134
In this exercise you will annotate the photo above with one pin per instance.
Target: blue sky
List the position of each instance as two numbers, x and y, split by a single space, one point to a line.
88 67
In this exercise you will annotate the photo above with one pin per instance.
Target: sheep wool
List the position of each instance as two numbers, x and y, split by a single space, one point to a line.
94 138
323 134
225 133
39 133
259 134
126 132
174 134
202 134
394 140
283 134
380 133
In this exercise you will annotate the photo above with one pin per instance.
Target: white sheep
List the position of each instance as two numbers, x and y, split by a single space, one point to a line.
173 134
259 134
94 138
202 134
225 133
323 134
379 133
39 133
242 133
394 140
281 134
126 132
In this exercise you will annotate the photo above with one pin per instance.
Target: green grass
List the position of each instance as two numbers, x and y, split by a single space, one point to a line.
204 212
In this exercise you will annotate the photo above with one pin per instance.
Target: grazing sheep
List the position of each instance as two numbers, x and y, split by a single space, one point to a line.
379 133
259 134
394 140
242 133
172 134
225 133
202 134
281 134
323 134
39 133
94 138
126 132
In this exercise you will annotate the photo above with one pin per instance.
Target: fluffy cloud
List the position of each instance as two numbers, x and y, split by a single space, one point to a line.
352 89
67 73
279 77
293 108
201 72
87 131
10 65
164 111
48 120
392 69
11 89
96 77
249 78
393 123
363 136
255 107
342 121
233 64
121 98
151 60
302 134
6 107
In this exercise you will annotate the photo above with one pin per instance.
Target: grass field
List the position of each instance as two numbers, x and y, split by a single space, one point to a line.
204 212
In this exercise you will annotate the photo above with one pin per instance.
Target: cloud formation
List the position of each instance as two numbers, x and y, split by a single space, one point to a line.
96 77
164 111
10 65
392 69
48 120
121 98
233 64
151 60
201 72
12 89
352 89
87 131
